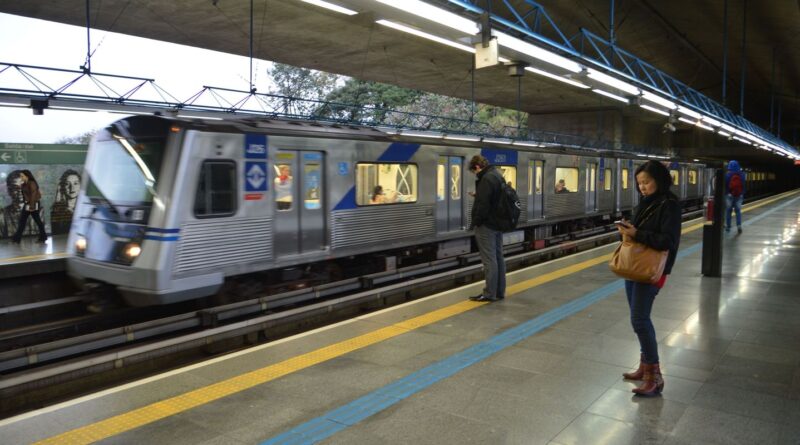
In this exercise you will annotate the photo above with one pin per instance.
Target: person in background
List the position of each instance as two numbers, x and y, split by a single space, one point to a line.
283 187
657 224
64 205
32 207
561 186
734 194
487 233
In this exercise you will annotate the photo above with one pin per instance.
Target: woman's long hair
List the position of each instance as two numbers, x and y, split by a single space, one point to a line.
30 177
660 174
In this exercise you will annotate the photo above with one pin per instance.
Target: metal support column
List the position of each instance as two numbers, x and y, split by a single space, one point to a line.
712 233
744 57
725 55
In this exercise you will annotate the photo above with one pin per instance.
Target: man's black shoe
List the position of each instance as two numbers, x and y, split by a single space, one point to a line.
482 298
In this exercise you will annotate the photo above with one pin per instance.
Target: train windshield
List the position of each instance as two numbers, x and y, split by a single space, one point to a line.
125 171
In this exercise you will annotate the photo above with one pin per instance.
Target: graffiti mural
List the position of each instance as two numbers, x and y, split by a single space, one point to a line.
58 168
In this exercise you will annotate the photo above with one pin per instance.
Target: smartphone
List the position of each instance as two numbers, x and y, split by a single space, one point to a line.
622 223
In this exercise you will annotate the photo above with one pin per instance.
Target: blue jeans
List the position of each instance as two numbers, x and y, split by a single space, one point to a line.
490 246
735 204
640 300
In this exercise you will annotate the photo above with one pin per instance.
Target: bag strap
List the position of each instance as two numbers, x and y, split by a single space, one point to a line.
649 211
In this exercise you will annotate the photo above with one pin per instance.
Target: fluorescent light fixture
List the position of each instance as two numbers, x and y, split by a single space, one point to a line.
434 14
722 133
695 160
331 6
536 52
612 82
658 100
555 77
422 135
612 96
60 107
728 128
712 121
688 112
188 116
425 35
12 104
742 140
704 127
527 144
497 141
654 110
690 122
462 138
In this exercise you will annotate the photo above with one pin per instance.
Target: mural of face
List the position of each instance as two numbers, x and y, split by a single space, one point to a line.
72 185
15 188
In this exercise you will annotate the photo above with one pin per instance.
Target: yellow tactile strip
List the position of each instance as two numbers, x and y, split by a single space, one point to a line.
175 405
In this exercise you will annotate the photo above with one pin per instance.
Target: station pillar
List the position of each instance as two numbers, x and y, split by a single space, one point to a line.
712 229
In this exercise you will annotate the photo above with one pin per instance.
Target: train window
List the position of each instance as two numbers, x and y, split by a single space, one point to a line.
693 177
440 180
312 175
385 183
607 180
216 189
566 180
676 177
455 182
509 174
284 193
539 176
624 179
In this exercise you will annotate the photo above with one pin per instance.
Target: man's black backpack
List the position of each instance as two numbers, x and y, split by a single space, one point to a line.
508 207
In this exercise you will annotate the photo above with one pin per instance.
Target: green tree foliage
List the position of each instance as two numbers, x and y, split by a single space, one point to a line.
301 83
84 138
356 94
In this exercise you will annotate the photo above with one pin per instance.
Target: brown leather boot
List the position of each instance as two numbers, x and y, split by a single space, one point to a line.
638 374
653 383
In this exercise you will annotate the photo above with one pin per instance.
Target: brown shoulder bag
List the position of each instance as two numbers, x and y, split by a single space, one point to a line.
637 262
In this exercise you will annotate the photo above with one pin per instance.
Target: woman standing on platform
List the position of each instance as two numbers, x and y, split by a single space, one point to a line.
30 190
657 224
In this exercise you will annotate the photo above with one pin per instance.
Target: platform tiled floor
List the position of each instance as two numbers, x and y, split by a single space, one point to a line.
730 351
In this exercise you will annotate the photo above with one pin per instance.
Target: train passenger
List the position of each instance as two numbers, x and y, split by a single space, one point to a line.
32 207
561 186
734 194
283 187
64 205
487 234
378 195
657 224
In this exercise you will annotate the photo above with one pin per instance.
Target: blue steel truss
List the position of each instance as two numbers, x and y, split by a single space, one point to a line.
530 21
129 95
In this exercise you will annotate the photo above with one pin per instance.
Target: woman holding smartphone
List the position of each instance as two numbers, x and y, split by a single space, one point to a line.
657 224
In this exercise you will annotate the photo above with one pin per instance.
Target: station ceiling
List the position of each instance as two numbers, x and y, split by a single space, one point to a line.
683 38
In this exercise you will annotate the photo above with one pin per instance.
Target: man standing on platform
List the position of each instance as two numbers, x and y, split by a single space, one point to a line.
734 194
487 234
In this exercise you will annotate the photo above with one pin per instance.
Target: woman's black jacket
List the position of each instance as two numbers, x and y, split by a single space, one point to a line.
661 230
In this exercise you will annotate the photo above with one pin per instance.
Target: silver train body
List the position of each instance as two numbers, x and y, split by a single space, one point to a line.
170 209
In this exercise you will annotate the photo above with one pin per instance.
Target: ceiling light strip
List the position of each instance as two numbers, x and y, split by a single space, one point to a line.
331 7
425 35
612 96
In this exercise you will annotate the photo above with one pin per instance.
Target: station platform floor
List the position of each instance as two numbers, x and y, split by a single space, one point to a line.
30 257
541 367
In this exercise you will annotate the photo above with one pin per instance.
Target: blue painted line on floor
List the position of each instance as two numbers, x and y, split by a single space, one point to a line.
350 414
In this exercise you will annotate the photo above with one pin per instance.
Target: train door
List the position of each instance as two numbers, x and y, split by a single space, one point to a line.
535 195
299 211
449 194
591 187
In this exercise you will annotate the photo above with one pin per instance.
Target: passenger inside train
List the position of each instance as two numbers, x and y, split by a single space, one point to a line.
561 186
283 187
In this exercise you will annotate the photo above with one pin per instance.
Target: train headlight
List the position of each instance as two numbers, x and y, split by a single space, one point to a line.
131 251
80 244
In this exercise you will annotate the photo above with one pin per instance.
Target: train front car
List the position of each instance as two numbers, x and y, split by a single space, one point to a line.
111 242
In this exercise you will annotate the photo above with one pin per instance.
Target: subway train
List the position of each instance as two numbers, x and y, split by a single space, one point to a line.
172 208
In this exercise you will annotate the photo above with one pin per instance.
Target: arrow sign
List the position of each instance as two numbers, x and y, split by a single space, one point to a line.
5 157
256 174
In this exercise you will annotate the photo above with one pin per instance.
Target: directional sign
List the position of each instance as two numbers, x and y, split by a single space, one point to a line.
256 175
5 156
